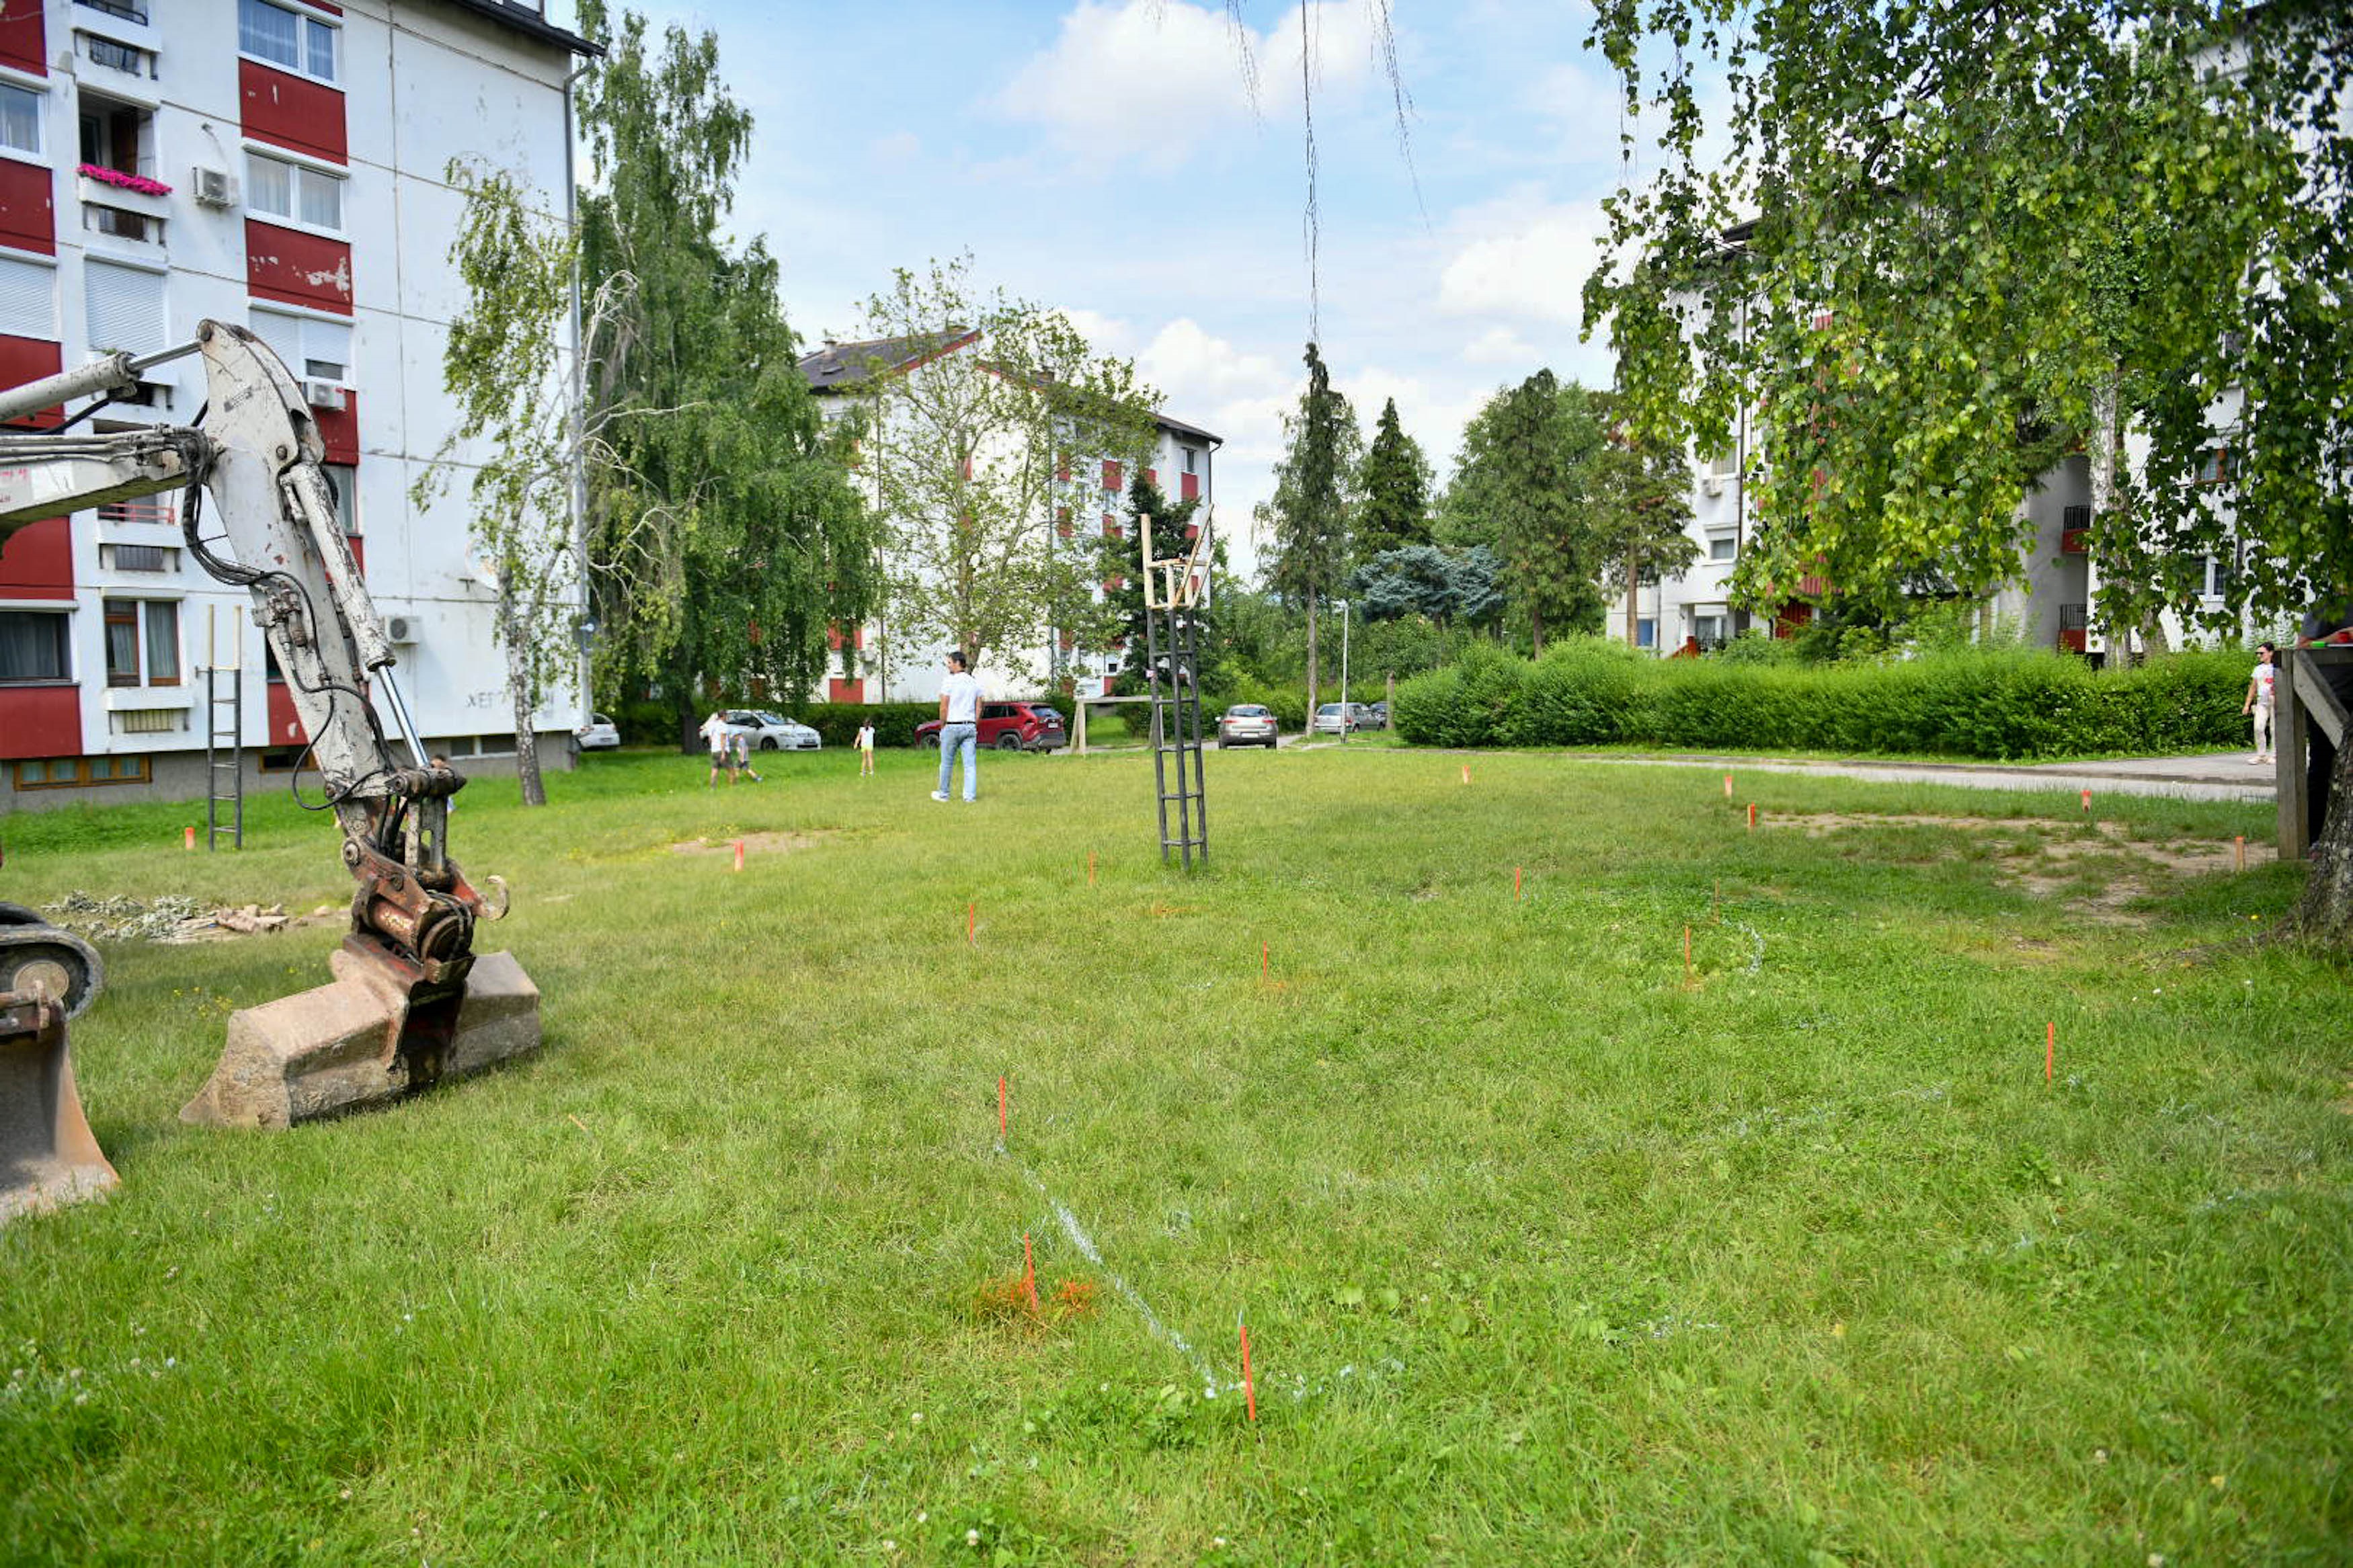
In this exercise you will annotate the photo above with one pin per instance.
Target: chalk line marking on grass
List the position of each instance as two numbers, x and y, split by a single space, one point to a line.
1211 1385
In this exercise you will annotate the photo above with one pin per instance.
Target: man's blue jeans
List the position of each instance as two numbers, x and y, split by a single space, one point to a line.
953 736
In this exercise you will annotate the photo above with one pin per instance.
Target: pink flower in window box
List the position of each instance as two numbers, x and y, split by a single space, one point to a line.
122 181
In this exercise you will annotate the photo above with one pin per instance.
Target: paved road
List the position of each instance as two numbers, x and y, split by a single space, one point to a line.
2215 776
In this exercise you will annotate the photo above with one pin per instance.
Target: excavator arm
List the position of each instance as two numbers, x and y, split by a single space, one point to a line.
411 1002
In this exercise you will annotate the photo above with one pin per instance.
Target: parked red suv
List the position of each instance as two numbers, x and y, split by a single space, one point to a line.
1005 726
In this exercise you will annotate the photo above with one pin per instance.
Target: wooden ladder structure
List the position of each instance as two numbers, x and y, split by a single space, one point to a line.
1174 588
2303 702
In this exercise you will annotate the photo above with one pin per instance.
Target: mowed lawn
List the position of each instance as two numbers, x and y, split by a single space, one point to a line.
1550 1250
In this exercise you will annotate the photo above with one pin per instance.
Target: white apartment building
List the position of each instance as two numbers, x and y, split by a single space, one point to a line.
277 163
869 665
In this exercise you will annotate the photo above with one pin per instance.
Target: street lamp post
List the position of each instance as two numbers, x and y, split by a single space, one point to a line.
1344 672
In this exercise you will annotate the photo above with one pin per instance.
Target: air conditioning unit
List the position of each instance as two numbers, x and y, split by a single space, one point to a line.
323 395
1712 483
212 187
400 628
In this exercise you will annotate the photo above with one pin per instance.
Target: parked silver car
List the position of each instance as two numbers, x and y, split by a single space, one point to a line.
1328 719
600 734
1247 725
767 731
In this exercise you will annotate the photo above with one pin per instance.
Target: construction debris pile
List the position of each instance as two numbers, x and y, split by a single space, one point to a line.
171 918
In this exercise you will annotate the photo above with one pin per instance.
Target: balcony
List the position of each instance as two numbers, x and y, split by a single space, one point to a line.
2074 530
2074 622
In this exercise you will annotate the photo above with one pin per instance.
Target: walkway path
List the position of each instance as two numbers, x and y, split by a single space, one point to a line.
2213 777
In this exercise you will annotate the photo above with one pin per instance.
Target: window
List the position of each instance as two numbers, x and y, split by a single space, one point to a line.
344 480
126 307
1723 546
33 648
20 119
100 218
1646 631
287 38
73 773
294 192
129 10
29 298
1192 458
2213 466
143 626
136 557
2220 571
311 349
1711 630
117 135
125 58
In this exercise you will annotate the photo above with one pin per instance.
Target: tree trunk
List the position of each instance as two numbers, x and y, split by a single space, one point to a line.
1310 662
2325 913
2103 499
534 791
1536 630
1633 581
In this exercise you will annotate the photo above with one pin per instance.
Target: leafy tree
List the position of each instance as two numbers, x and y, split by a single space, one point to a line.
977 453
521 414
1395 481
1638 497
1974 237
1447 587
1314 500
1521 487
725 538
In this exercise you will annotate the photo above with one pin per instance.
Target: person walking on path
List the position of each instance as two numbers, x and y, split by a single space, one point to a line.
959 725
714 734
2260 692
866 749
744 756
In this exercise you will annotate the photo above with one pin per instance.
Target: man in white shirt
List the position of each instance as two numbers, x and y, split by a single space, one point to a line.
959 725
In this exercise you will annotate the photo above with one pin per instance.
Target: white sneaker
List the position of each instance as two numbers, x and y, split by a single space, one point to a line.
2255 762
940 795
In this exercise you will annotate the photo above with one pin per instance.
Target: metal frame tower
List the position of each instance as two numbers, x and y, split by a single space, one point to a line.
1174 588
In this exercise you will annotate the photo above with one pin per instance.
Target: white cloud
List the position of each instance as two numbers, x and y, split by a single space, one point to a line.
1530 263
1155 80
1189 365
1498 345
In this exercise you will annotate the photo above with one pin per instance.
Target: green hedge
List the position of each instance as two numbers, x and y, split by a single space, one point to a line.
894 722
2006 705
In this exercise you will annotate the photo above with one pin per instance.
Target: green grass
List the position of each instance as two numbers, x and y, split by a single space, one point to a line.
1547 1255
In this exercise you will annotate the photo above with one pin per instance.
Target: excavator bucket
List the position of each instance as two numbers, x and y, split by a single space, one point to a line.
47 1157
376 1032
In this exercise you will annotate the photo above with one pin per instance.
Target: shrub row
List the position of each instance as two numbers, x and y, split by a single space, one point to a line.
894 722
2007 705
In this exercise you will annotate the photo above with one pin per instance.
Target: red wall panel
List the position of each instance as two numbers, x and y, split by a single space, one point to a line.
291 110
39 720
1188 487
285 729
1111 475
29 215
840 690
21 41
297 268
38 565
29 359
339 429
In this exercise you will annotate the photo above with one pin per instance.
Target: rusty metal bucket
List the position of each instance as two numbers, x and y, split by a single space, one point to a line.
47 1156
374 1034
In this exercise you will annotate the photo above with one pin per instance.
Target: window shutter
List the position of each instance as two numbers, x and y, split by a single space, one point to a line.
28 299
126 308
325 343
284 336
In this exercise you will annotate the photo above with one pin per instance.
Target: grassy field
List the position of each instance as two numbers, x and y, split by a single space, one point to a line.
1550 1250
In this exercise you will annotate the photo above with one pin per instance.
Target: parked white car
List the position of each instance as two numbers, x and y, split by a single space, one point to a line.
768 733
600 734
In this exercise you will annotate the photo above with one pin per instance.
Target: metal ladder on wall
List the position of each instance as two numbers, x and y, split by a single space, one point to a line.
1172 593
224 735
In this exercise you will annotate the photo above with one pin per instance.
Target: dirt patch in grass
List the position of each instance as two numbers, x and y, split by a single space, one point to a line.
753 844
2094 869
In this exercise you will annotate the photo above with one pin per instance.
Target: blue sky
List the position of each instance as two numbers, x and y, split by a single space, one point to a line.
1105 158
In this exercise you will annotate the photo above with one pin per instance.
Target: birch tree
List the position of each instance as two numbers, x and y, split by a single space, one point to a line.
980 448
